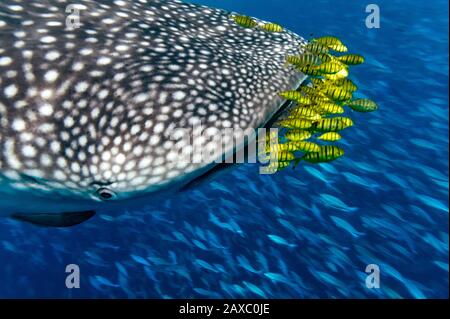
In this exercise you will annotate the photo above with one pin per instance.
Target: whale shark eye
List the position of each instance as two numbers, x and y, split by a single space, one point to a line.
105 193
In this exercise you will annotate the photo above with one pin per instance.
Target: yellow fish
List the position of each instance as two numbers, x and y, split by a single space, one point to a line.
295 96
330 137
303 60
304 113
351 59
296 123
244 21
333 124
316 48
325 57
332 42
345 84
337 76
317 82
310 70
272 27
282 156
329 108
347 121
298 135
294 59
319 98
330 67
303 146
363 105
277 147
309 90
327 153
338 94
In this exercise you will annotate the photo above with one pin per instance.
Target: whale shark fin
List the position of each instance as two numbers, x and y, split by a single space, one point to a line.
55 220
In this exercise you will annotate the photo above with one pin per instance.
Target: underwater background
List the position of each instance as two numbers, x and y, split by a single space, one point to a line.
308 233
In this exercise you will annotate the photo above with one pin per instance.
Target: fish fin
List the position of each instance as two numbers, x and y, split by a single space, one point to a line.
55 220
296 161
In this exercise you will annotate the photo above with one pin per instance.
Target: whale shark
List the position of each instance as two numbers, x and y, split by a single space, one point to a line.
91 92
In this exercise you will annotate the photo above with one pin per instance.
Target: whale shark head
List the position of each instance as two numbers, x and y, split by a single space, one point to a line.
91 94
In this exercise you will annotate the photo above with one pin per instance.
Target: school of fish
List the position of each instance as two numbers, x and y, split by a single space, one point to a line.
316 108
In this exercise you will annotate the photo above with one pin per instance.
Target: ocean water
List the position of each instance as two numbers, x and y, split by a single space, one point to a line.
308 233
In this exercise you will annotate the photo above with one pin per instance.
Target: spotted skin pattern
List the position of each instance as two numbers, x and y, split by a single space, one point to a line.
85 107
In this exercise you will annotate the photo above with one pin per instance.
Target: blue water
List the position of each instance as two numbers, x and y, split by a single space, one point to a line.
296 234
